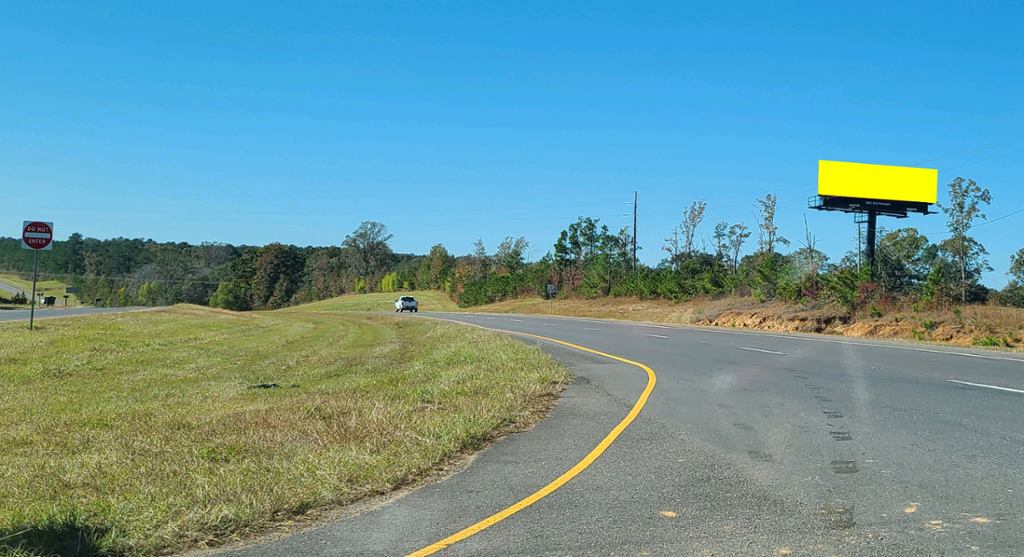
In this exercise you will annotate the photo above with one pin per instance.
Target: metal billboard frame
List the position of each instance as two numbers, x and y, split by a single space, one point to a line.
867 210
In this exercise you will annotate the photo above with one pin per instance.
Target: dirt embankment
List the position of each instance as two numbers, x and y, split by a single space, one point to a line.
970 325
947 329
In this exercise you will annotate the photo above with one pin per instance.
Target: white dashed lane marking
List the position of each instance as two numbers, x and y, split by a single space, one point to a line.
986 386
765 351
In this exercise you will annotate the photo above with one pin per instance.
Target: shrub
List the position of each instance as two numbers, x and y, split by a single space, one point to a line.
842 287
231 295
987 341
1012 295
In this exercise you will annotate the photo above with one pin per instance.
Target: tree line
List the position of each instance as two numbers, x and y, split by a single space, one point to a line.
590 261
587 260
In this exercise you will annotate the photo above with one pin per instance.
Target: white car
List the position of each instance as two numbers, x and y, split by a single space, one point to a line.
407 303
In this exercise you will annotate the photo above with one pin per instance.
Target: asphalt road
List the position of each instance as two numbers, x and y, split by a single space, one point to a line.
44 313
11 289
750 444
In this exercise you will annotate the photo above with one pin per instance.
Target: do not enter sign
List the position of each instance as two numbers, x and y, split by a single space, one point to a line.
37 235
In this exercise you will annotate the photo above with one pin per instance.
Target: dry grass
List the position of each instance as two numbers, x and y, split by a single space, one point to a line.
137 434
629 309
987 326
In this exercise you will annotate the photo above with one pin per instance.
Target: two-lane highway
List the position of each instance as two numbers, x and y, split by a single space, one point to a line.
750 444
46 313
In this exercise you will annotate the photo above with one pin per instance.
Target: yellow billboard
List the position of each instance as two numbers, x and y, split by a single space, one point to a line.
876 181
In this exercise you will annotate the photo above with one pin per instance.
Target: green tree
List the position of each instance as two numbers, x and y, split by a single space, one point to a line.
1016 272
277 276
389 283
903 260
1013 293
511 254
232 295
149 293
369 245
965 196
579 242
437 269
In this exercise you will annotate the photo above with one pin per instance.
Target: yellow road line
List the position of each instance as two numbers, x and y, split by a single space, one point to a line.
564 478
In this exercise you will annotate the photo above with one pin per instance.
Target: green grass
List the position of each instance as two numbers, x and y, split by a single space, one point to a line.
135 433
430 300
48 287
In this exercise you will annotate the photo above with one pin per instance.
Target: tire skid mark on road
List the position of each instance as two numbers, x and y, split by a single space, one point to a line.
839 515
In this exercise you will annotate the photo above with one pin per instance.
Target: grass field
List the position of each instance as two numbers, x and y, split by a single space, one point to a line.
48 287
430 300
138 433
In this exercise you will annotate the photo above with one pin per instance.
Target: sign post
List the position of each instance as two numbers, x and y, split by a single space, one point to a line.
551 297
36 236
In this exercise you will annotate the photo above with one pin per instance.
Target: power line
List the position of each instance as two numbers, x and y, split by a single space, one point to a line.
973 150
1001 218
997 219
985 160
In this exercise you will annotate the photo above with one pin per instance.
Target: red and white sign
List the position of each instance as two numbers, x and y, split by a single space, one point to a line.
37 235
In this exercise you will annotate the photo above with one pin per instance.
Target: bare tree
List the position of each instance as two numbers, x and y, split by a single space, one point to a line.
738 234
962 210
814 260
767 232
673 246
481 261
691 220
721 237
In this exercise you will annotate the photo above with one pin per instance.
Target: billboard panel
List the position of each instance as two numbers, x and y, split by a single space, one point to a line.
876 181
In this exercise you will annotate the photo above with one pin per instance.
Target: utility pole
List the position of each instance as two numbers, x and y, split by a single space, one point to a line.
858 249
634 231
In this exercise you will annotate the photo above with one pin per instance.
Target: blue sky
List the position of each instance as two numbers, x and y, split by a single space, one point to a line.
293 122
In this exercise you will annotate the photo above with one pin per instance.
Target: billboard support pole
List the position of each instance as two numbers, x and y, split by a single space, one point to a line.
860 248
870 248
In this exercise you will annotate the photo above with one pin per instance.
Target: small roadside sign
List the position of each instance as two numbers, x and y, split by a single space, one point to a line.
37 235
551 289
71 290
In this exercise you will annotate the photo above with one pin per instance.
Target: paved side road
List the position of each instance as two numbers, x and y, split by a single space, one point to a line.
751 444
11 289
45 313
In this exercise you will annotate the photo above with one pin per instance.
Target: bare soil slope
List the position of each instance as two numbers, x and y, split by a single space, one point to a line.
971 325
